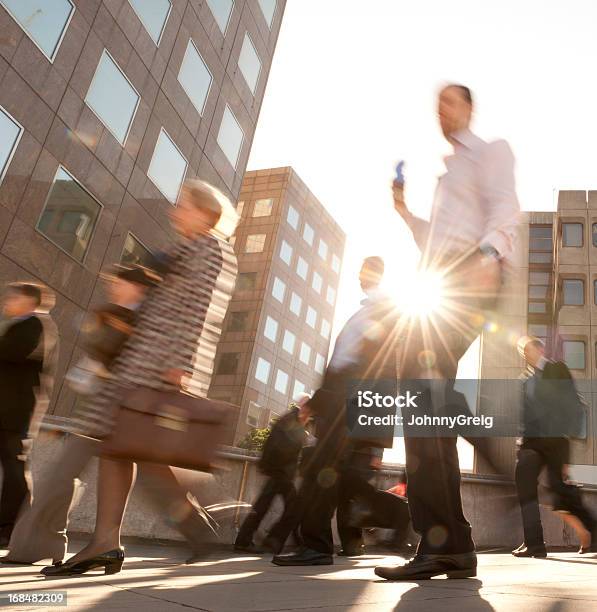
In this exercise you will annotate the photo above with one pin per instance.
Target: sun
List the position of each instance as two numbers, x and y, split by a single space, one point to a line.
422 296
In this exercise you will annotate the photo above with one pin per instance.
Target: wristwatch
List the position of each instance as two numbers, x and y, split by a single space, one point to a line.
490 251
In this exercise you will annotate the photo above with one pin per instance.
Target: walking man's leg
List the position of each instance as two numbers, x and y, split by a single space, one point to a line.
244 539
15 488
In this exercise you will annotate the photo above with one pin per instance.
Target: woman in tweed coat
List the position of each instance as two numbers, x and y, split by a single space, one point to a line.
176 318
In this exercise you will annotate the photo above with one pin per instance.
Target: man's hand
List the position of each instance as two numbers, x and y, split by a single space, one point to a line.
173 376
399 203
480 275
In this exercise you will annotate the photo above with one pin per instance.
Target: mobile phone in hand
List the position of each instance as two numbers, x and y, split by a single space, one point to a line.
399 178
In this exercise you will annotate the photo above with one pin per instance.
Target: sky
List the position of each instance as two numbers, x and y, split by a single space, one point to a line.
353 87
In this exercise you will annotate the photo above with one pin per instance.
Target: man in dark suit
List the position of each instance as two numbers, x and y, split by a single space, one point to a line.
552 412
21 362
279 462
339 466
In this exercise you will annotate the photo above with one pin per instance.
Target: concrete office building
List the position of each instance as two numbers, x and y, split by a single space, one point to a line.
277 330
552 294
105 108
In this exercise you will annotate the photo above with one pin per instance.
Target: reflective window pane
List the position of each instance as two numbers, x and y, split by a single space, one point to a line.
112 98
268 8
540 231
44 21
317 282
278 289
331 296
537 307
249 63
326 328
323 250
228 364
319 363
302 268
69 216
539 278
288 342
246 281
281 384
168 167
311 317
538 330
296 304
574 354
572 234
263 208
195 77
540 258
153 14
221 10
538 292
305 353
308 234
230 136
237 321
285 252
574 292
10 133
135 254
594 232
270 331
292 217
336 264
255 243
253 414
262 370
298 388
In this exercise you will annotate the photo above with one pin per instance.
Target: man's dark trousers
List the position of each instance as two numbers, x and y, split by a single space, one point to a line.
273 486
15 489
533 456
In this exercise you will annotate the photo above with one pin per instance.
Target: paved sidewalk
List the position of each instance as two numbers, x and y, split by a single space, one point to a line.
155 580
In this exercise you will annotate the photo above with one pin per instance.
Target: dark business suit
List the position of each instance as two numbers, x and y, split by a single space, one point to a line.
19 379
338 467
551 413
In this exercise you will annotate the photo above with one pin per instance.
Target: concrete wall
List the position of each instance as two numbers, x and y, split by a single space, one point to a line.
490 505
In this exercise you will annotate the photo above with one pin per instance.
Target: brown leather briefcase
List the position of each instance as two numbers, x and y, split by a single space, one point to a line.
170 428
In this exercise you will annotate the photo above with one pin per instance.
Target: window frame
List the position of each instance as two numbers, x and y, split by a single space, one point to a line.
15 145
60 38
157 43
245 252
242 141
269 318
564 342
253 90
227 21
278 372
270 23
577 280
269 370
137 239
128 130
211 81
163 130
582 235
39 231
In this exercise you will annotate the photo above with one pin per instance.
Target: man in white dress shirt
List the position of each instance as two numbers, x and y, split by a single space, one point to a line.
470 234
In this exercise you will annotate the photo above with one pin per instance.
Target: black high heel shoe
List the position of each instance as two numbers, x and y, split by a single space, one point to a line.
111 561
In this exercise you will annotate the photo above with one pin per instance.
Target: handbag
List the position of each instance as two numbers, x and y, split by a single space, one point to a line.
170 428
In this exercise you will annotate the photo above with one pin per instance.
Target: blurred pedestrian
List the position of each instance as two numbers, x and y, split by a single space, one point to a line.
28 346
161 354
551 414
279 462
470 234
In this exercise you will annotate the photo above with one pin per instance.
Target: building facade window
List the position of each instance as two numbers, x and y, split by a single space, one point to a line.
268 8
69 215
238 321
270 331
572 234
331 296
319 363
112 98
573 291
44 21
308 234
195 77
302 268
263 208
305 353
240 207
168 167
279 289
285 252
539 284
135 253
246 281
221 10
296 304
288 341
10 134
228 364
537 307
153 15
292 217
317 282
249 63
323 250
230 137
336 264
281 384
255 243
298 388
253 414
262 370
326 329
574 354
311 317
594 233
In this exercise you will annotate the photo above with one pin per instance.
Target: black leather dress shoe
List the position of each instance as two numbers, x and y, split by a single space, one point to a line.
353 551
110 561
307 556
423 567
538 551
